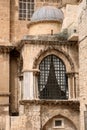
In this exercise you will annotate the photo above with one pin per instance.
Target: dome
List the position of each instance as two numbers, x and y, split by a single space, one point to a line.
47 13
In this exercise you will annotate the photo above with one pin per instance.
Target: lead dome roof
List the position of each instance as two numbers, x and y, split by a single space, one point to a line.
47 13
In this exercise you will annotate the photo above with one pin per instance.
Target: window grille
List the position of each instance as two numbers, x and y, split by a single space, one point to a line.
26 9
58 123
52 80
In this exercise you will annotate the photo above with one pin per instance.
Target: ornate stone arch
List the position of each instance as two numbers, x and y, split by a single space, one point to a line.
64 56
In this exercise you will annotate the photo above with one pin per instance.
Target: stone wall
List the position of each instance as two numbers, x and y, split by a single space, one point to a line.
82 23
70 15
4 79
4 22
83 61
83 79
18 123
4 118
4 90
41 116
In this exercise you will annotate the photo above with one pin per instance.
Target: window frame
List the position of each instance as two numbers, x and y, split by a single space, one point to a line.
58 119
25 13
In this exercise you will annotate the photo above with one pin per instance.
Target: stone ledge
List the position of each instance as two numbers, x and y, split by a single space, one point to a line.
2 105
5 94
6 49
56 39
74 104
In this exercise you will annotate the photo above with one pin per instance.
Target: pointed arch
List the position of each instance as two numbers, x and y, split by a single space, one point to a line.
60 116
52 80
59 53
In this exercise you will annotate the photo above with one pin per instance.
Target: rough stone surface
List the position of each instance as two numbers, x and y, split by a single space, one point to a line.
21 54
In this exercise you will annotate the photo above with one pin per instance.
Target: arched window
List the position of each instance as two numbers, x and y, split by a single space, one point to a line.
52 82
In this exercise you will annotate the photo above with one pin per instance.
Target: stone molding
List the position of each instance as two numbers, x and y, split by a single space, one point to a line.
1 105
54 49
74 104
42 21
43 40
4 94
32 70
6 49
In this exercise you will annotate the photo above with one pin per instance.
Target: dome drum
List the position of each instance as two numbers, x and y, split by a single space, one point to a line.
46 20
44 27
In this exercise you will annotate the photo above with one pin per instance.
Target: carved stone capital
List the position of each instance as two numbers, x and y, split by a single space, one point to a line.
71 74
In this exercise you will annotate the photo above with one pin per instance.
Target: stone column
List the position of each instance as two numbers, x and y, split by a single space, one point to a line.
20 87
28 93
72 85
69 85
36 92
30 85
76 85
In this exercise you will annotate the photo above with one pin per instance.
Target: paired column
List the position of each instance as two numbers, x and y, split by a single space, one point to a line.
73 85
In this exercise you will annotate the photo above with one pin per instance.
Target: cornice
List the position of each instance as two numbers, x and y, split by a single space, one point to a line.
5 49
73 104
72 2
4 104
43 41
5 94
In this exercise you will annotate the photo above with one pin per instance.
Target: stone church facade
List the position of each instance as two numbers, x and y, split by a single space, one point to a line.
43 59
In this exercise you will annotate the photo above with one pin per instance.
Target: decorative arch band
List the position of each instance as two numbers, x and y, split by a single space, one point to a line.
56 51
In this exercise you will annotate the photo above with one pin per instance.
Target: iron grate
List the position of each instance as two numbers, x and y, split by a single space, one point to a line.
52 80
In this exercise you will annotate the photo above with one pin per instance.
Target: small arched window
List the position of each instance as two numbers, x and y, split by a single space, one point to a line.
52 82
